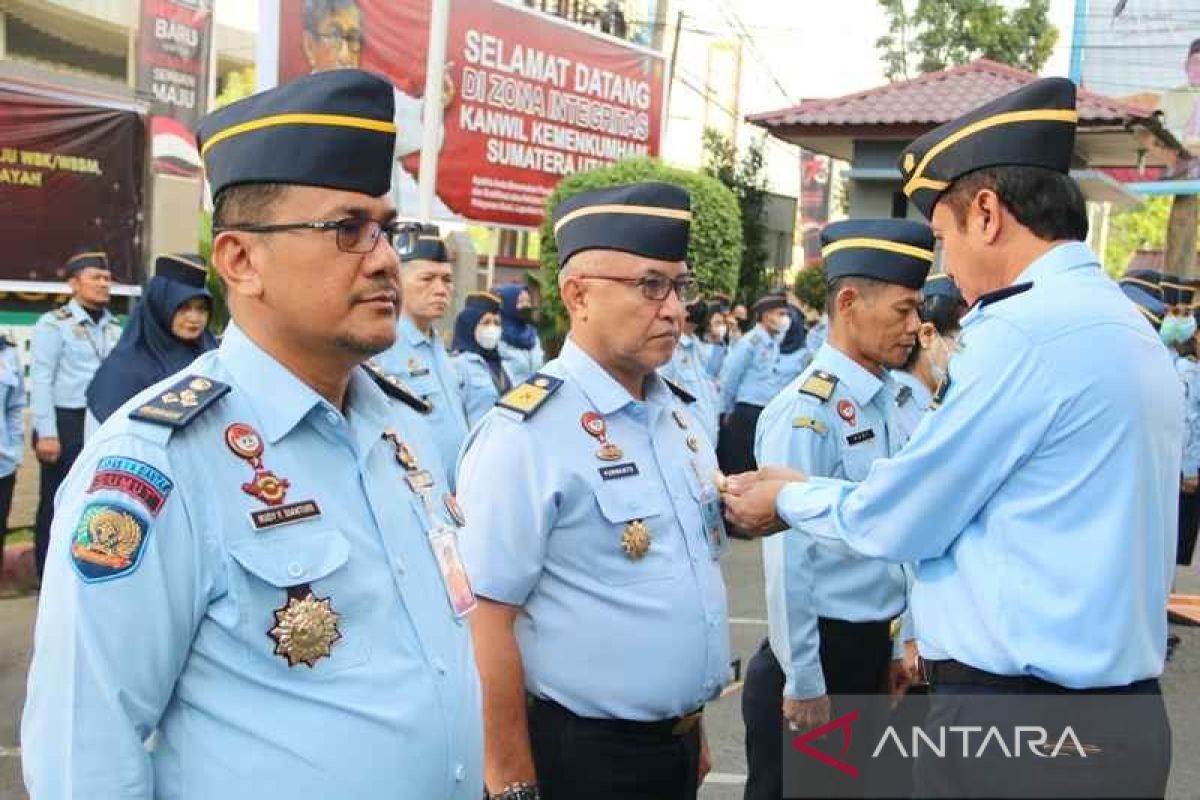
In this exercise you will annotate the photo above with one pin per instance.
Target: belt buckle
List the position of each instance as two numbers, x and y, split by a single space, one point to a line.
686 724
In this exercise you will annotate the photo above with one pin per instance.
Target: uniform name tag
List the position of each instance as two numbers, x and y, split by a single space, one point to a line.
861 436
627 470
284 515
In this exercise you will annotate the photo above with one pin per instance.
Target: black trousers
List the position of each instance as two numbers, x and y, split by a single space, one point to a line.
593 759
735 442
6 495
1189 523
1125 729
70 436
854 657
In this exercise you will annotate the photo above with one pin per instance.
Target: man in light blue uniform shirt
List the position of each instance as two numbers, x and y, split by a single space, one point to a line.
753 373
1039 498
419 358
67 347
829 614
593 533
253 590
13 400
687 369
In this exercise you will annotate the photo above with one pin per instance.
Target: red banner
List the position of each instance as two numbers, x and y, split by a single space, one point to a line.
172 70
528 98
70 177
814 202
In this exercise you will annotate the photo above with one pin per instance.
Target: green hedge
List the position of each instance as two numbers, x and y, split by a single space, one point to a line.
715 248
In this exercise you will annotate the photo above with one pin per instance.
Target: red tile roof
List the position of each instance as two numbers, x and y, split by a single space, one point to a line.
936 98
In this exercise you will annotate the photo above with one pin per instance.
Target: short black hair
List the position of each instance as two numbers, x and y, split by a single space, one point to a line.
1048 203
245 204
864 286
944 313
317 10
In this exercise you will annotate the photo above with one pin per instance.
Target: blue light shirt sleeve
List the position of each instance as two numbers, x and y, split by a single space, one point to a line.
91 704
12 444
1189 374
45 349
733 371
788 556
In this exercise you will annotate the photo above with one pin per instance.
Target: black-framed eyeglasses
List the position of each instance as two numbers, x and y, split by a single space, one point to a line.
354 234
336 38
656 286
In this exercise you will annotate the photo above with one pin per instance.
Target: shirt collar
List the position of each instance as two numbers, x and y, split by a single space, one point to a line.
603 391
859 382
281 400
81 315
1063 258
412 332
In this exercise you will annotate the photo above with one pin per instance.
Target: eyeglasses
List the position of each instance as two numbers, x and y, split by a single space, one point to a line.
354 234
656 286
336 38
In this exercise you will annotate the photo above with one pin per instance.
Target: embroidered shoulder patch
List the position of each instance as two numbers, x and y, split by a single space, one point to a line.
530 395
108 542
819 385
814 425
182 403
62 313
132 478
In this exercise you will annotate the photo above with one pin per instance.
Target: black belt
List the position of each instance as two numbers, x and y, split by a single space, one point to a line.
676 726
949 672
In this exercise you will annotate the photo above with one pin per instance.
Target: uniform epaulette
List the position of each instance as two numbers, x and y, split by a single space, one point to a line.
903 395
530 395
940 395
819 385
680 392
397 389
988 299
182 403
62 313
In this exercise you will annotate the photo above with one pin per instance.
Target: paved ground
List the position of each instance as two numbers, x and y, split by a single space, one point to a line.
743 573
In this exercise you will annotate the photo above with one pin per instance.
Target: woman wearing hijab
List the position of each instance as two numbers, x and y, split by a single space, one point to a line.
519 346
482 374
165 333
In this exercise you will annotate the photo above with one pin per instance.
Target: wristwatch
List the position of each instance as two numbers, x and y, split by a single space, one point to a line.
517 791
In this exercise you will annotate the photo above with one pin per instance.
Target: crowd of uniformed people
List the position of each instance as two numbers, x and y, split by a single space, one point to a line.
331 557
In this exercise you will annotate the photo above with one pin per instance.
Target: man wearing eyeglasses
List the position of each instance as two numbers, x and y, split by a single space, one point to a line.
255 561
593 532
419 358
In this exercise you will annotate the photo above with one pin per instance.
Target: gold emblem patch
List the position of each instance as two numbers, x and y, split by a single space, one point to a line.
306 628
636 540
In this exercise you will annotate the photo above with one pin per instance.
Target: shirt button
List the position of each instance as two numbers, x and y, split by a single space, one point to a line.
460 772
398 565
440 666
295 569
332 417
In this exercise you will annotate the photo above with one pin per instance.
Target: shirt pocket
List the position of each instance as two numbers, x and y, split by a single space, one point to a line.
274 570
631 509
858 458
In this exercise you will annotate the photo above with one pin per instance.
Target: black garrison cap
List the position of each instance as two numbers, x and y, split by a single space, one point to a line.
186 268
646 219
427 246
896 251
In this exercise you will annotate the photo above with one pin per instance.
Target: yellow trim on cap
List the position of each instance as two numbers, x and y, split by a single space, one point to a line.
937 276
1155 319
878 244
487 295
646 211
184 261
334 120
1139 282
1038 115
97 254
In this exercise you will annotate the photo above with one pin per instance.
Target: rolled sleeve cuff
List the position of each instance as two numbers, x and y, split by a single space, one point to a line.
804 683
46 427
808 506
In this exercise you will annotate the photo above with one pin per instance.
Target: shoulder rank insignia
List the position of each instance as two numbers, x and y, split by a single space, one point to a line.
814 425
179 406
530 395
940 395
62 313
988 299
680 392
397 389
819 385
903 395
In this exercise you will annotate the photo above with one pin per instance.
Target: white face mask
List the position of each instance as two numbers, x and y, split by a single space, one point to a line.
720 331
939 363
781 323
488 336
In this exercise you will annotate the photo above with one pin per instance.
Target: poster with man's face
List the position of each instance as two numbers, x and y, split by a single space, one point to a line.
1147 52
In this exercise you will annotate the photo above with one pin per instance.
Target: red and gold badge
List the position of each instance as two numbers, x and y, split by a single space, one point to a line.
246 443
595 426
847 412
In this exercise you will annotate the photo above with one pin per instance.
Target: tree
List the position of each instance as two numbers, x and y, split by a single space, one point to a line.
810 285
714 246
943 33
746 179
1143 229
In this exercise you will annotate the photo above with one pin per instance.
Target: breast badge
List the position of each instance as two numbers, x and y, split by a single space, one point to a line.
247 444
596 427
306 628
635 541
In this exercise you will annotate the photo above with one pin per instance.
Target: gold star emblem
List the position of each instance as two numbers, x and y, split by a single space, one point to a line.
636 540
305 630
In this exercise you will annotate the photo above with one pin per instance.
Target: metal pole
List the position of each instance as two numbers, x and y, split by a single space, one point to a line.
266 51
1078 36
671 68
431 121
